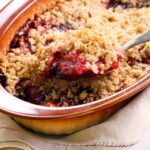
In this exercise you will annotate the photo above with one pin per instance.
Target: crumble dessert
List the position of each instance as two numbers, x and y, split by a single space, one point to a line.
72 54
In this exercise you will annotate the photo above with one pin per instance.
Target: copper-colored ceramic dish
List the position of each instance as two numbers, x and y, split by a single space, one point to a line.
52 120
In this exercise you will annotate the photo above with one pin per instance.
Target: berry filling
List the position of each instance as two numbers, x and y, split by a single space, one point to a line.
147 61
73 66
33 95
128 4
29 93
115 3
3 80
115 65
21 38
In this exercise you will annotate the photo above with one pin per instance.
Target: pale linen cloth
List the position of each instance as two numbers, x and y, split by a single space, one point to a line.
120 132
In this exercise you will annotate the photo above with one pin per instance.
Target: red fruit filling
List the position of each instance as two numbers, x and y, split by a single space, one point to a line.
147 61
70 66
115 65
33 95
115 3
3 79
21 39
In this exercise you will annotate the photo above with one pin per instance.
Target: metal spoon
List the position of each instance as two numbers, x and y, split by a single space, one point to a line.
145 37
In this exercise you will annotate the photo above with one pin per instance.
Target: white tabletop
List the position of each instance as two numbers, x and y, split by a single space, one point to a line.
144 143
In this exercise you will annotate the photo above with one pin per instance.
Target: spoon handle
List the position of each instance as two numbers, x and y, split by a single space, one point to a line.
145 37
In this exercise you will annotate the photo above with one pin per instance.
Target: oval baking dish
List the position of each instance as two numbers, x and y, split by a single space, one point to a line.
53 120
